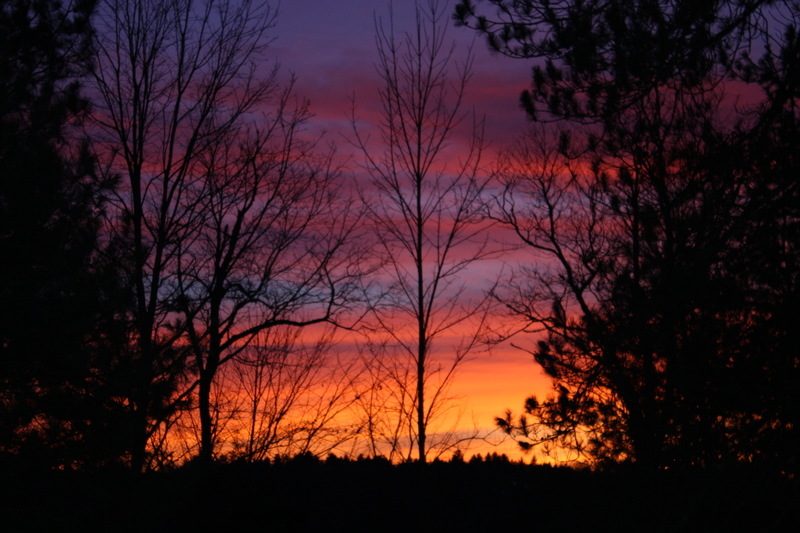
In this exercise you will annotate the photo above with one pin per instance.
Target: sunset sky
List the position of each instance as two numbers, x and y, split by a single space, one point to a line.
330 47
345 236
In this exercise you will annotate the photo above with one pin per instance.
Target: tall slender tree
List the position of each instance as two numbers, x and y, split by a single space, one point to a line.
425 202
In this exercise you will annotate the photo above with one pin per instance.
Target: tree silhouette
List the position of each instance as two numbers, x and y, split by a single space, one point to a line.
56 295
648 213
427 215
173 79
273 248
296 392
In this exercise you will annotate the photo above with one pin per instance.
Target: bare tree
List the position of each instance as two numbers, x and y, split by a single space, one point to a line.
426 205
272 248
562 214
297 394
173 77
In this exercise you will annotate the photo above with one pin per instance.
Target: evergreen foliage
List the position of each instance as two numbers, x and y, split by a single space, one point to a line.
59 298
667 214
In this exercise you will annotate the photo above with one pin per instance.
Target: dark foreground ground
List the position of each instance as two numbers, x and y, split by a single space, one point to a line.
307 495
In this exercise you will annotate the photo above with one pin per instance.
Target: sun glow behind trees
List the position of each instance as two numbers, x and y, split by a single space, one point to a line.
184 317
241 232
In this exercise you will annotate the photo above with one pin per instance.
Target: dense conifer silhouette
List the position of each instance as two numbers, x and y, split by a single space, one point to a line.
664 222
59 298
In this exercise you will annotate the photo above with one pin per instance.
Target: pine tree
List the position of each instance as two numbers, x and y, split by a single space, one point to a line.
667 217
51 296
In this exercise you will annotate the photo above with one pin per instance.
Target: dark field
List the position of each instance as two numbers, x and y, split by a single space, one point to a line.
304 494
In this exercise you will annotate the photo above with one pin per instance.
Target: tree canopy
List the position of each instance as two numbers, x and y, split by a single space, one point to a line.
57 297
664 218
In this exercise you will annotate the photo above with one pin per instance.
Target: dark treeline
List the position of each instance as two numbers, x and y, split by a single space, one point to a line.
305 493
167 230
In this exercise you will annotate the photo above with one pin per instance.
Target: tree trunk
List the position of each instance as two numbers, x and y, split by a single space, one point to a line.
206 423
